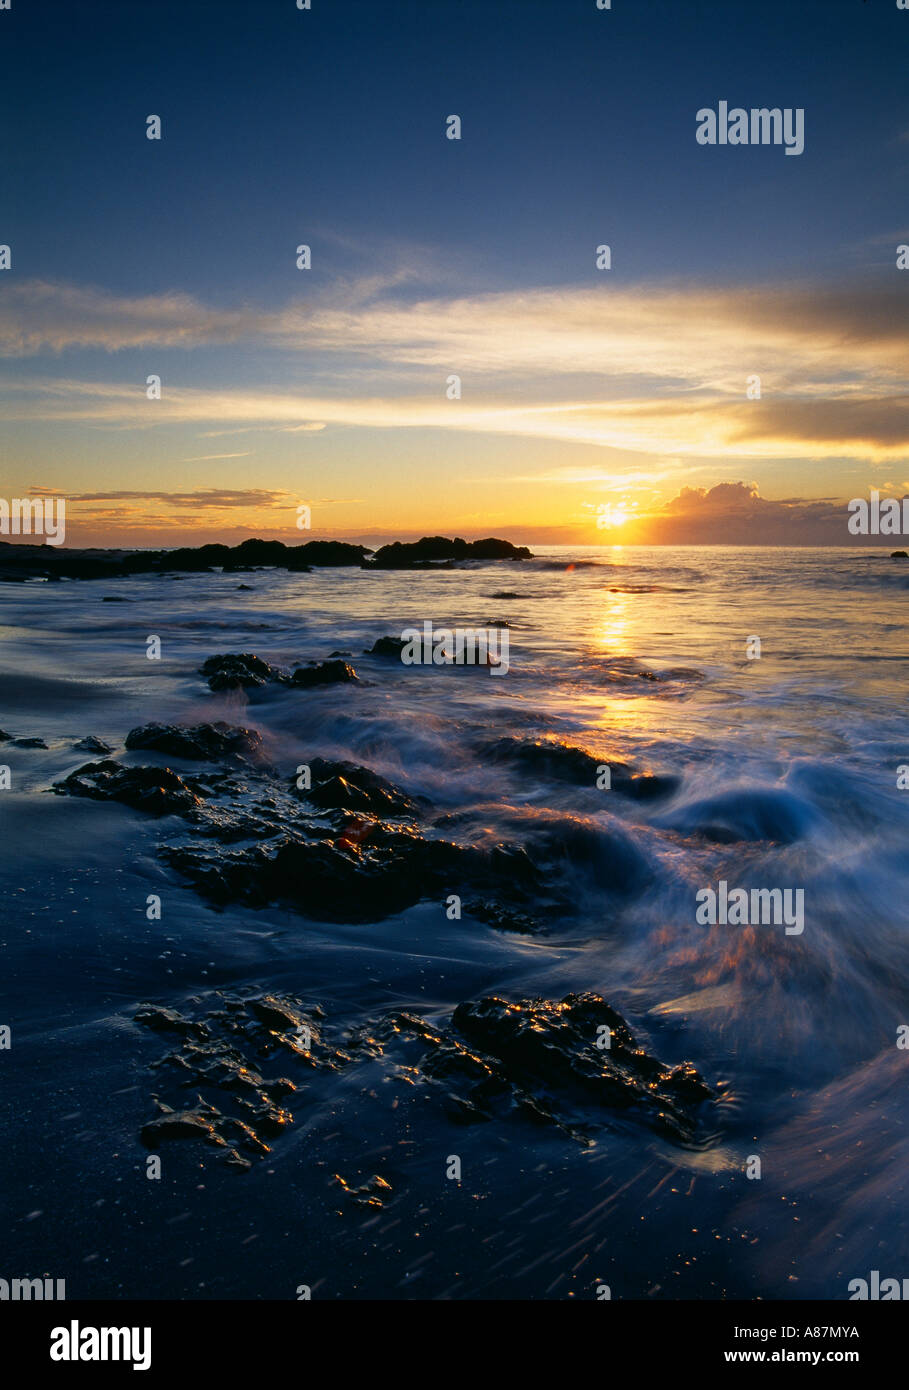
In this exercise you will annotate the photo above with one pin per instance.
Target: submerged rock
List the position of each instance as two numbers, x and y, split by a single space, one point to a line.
202 742
29 743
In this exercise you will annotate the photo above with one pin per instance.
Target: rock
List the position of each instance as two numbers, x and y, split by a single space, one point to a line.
169 1021
433 549
502 918
372 1193
342 785
563 762
238 1109
899 555
184 1124
5 738
325 673
201 742
332 553
240 670
155 790
92 745
29 743
387 646
550 1050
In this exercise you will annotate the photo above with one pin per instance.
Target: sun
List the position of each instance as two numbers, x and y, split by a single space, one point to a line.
609 516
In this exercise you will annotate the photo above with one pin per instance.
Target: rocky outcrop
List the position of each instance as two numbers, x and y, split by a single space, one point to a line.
432 550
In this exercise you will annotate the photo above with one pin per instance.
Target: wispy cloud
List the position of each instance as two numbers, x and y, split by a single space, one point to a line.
660 370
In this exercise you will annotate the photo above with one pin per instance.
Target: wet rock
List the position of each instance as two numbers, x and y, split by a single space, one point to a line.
372 1193
169 1021
245 588
899 554
156 790
563 762
550 1051
201 742
325 673
369 871
221 1057
342 785
387 646
90 744
5 738
503 918
29 743
240 670
183 1124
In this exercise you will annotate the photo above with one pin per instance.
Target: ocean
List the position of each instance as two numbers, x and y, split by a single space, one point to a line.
748 706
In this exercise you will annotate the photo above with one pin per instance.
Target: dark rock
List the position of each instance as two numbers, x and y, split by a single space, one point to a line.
899 555
387 646
240 670
220 1057
326 673
372 1193
92 745
342 785
183 1124
430 550
169 1021
332 553
550 1050
563 762
156 790
29 743
502 918
202 742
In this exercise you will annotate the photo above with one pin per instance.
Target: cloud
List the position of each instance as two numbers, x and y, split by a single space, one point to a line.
210 458
655 369
734 513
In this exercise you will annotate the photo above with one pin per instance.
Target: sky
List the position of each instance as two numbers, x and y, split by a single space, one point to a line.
596 405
